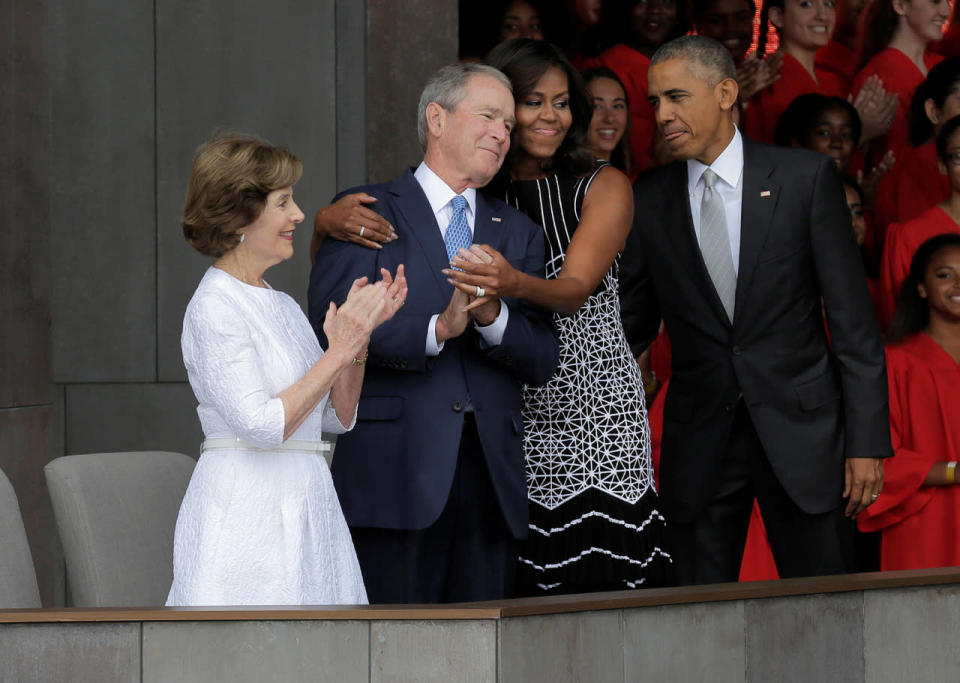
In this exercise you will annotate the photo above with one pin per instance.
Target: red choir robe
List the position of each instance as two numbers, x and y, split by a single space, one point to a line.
920 524
839 60
631 67
765 108
950 45
903 239
914 185
899 75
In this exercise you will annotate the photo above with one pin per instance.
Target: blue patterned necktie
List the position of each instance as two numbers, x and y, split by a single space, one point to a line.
458 232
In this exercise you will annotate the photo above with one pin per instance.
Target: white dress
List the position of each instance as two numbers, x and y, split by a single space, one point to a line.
257 526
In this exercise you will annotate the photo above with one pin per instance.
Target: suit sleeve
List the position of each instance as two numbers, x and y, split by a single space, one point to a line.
854 334
529 345
639 307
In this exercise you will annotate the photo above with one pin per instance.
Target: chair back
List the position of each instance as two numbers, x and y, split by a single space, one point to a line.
116 514
18 579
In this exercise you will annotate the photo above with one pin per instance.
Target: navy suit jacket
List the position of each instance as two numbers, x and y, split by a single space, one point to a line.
395 469
813 400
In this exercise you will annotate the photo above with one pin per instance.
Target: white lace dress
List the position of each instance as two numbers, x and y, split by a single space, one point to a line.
257 526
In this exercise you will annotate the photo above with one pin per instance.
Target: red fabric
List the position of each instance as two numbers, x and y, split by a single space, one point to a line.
950 45
766 106
909 189
757 563
899 75
631 67
920 524
902 242
661 356
839 60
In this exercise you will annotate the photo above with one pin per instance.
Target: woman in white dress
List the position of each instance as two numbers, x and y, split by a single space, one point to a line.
260 523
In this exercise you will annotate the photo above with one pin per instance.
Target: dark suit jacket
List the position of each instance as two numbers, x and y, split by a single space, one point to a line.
811 405
395 468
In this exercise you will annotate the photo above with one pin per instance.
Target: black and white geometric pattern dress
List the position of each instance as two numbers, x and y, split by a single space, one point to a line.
594 521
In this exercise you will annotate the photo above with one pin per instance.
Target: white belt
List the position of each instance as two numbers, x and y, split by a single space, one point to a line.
237 444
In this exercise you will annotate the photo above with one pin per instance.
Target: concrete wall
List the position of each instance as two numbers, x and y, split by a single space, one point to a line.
103 105
870 636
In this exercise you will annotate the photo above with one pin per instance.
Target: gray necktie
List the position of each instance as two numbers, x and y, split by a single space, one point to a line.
715 243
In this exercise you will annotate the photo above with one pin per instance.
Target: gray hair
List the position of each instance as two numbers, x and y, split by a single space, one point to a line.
706 55
447 87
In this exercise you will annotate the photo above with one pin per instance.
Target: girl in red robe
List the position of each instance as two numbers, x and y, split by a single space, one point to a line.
804 26
839 56
895 41
641 26
903 239
918 511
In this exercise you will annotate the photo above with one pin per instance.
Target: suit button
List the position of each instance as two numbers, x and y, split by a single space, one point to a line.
457 406
736 350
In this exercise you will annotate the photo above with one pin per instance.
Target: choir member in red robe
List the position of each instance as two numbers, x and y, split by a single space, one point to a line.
895 41
804 26
918 511
642 26
903 239
839 56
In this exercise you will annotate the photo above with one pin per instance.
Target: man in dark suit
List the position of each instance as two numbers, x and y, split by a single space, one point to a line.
432 478
742 248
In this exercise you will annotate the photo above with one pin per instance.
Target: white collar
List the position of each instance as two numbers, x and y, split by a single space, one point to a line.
439 193
728 166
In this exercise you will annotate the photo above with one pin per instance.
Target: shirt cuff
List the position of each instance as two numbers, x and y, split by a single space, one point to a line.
433 348
493 333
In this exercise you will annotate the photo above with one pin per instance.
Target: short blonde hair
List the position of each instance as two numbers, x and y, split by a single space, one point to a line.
231 177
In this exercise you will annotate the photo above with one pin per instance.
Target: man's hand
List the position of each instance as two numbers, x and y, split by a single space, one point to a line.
485 309
453 321
863 482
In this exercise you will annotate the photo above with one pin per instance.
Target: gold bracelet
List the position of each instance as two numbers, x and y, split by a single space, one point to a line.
952 472
362 360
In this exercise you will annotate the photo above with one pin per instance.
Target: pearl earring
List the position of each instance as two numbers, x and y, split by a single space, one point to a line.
243 236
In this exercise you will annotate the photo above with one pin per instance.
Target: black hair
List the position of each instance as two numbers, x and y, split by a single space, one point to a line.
913 311
765 24
851 182
878 21
943 138
617 21
525 61
620 157
699 7
942 81
800 118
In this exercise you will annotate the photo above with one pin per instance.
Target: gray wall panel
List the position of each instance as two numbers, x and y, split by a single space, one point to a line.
235 652
24 449
911 634
448 651
406 43
701 642
68 653
583 646
812 638
262 69
131 417
102 207
351 94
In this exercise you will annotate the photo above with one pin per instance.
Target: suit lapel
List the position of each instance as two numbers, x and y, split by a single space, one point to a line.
422 226
487 224
760 196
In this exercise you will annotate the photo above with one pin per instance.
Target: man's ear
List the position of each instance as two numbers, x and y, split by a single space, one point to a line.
436 119
727 91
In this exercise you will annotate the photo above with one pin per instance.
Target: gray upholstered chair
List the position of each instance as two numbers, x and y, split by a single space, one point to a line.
18 580
116 513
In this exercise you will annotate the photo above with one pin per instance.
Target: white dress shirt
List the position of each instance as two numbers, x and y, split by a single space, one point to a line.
440 195
729 168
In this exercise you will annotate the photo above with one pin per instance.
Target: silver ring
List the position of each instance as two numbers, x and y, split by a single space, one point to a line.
481 291
362 229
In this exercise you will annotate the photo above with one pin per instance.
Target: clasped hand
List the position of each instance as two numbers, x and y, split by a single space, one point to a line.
368 306
481 267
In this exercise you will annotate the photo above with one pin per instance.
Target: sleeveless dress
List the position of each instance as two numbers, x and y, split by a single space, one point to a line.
259 524
594 520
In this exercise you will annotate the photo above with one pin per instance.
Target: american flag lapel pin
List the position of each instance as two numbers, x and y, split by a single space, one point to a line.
764 193
496 219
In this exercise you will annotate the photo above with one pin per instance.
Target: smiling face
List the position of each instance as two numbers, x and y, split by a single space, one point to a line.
269 239
832 134
729 22
466 146
694 116
925 18
805 24
609 119
588 12
652 22
543 119
941 285
520 20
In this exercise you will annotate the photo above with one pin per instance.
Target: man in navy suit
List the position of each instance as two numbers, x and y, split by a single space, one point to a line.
432 478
